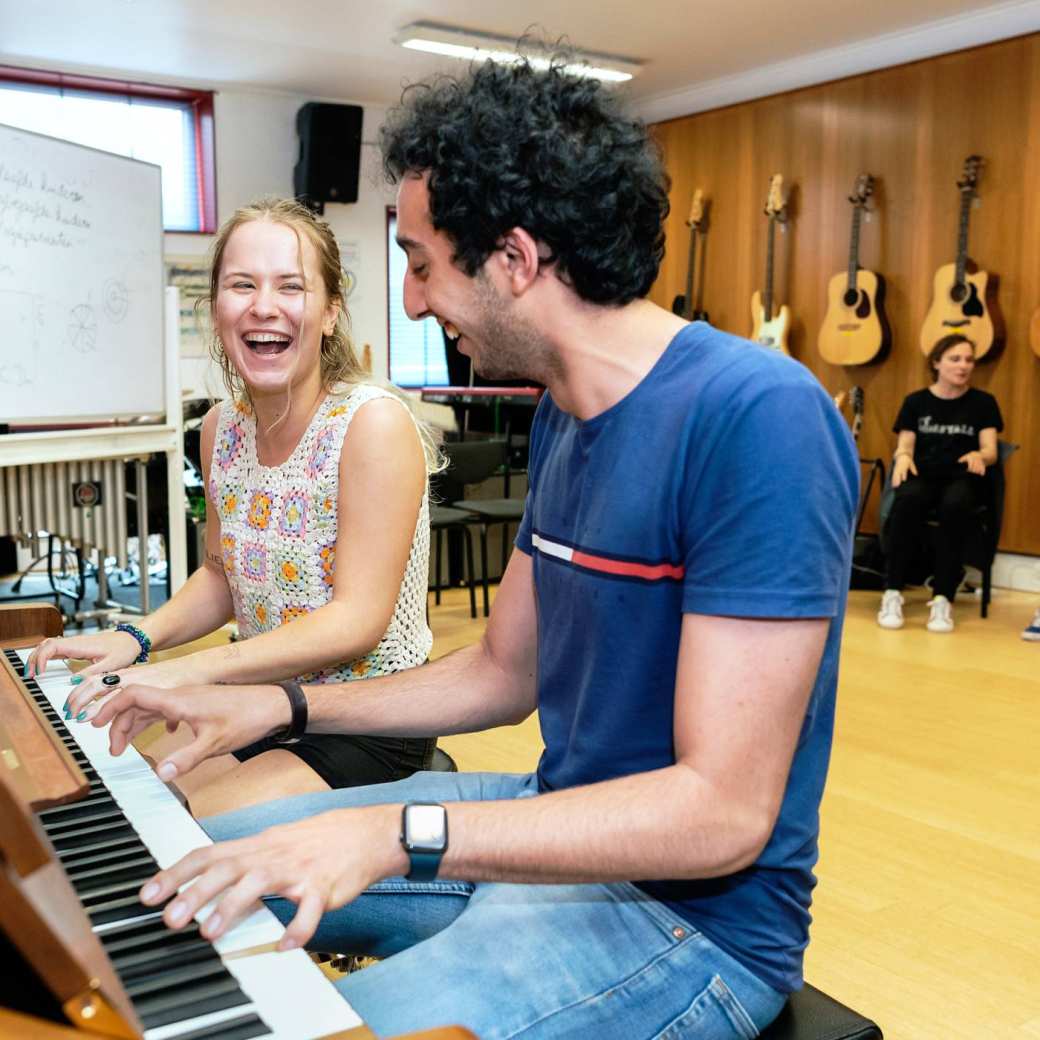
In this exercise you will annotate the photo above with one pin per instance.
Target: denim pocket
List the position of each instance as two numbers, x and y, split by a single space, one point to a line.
715 1014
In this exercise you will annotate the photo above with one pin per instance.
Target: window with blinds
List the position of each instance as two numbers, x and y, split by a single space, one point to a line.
417 356
167 126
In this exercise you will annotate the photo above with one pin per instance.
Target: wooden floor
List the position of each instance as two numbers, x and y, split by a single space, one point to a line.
927 913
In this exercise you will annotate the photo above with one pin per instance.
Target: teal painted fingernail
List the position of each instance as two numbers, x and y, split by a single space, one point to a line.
68 714
76 680
25 670
82 715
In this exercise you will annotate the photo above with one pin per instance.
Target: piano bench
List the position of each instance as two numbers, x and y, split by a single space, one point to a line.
442 762
812 1015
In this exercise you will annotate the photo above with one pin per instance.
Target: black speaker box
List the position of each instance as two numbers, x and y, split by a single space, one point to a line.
330 153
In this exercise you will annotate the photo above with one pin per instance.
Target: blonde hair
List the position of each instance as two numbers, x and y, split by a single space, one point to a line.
339 363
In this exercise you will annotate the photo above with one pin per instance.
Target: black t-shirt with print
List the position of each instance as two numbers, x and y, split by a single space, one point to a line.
946 428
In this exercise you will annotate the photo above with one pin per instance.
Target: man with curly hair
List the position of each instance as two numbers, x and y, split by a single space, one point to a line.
672 611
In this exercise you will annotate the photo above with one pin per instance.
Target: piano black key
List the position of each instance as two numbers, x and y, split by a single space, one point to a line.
96 816
113 878
77 828
136 935
74 810
189 1001
104 910
157 964
93 836
103 852
210 971
244 1028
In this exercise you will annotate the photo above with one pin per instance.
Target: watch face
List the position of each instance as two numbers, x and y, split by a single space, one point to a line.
426 826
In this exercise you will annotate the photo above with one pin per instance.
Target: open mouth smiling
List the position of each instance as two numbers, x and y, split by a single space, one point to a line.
267 344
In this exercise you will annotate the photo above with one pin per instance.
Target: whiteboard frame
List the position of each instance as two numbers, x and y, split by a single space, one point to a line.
48 419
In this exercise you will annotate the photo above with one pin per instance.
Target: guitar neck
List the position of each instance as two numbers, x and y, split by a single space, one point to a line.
767 301
691 260
857 214
962 238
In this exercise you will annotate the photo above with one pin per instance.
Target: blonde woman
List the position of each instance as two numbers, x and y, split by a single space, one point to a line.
317 530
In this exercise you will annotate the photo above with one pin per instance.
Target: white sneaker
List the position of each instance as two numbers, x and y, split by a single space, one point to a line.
1032 633
941 617
891 613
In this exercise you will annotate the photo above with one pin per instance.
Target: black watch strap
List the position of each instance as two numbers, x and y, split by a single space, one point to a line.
298 723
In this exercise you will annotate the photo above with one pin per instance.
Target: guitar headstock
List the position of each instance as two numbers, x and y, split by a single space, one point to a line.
696 210
970 177
776 204
862 190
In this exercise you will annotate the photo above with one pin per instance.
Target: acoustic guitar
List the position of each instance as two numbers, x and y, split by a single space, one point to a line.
855 329
684 304
769 329
963 297
1034 332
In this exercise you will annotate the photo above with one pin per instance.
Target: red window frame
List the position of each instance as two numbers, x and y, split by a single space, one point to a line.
201 102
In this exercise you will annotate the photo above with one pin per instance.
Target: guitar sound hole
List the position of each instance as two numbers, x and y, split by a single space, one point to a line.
850 298
958 293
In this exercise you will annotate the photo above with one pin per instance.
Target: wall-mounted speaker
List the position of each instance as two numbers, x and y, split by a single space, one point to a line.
330 154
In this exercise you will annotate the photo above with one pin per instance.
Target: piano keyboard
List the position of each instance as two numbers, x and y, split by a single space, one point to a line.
129 826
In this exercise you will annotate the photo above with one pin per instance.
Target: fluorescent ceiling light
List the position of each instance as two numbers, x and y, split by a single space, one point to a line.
480 46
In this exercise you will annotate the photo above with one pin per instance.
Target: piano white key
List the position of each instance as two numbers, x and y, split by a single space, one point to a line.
290 992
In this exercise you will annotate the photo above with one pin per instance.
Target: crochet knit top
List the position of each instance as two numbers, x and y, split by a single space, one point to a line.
278 534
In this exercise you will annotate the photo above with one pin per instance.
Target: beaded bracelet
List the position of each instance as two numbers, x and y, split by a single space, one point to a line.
146 643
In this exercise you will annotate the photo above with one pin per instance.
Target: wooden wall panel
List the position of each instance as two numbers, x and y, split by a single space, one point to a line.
912 127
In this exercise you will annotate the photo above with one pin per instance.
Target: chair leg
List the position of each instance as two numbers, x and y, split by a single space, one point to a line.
437 570
987 579
483 567
471 575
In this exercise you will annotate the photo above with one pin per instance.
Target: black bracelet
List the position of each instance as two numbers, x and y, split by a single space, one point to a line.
298 724
142 639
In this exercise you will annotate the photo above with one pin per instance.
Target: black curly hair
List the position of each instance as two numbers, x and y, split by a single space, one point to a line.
554 153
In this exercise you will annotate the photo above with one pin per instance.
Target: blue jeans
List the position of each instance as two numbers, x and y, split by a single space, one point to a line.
541 962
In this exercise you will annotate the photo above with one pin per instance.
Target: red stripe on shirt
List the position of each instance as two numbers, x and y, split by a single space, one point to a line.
628 569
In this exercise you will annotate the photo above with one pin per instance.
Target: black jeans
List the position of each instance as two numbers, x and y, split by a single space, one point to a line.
956 501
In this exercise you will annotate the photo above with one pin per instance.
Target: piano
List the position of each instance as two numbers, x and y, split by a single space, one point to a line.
80 832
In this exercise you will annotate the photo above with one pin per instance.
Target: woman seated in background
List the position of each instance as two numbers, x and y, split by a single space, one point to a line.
317 528
947 438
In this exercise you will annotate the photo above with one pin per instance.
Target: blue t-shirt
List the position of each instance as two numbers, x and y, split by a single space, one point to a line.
725 483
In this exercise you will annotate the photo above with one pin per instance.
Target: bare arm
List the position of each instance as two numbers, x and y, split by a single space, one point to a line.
710 814
987 455
491 683
903 460
202 605
382 477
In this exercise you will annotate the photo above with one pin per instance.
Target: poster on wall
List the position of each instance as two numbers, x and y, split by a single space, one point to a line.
190 274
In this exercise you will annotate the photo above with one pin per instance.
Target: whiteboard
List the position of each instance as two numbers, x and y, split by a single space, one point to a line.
81 282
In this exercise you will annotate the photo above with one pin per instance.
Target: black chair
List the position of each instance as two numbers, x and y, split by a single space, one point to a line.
491 511
981 548
812 1015
472 462
446 518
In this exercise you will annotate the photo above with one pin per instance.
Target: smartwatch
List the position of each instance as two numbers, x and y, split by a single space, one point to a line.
424 836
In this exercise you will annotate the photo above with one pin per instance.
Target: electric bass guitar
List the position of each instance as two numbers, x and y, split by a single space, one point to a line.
855 329
684 304
769 329
964 298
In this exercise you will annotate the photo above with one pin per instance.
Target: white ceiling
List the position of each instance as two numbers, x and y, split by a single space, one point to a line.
699 53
